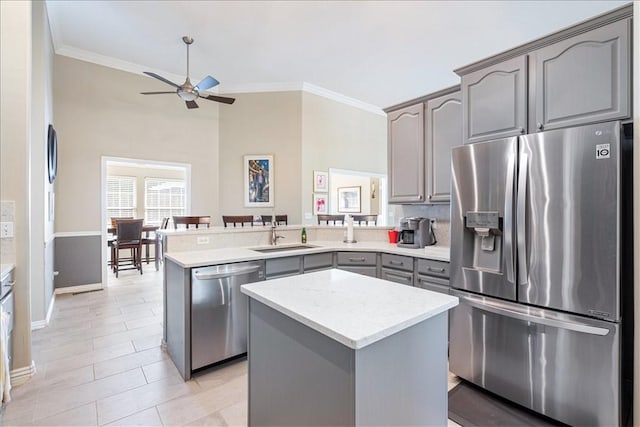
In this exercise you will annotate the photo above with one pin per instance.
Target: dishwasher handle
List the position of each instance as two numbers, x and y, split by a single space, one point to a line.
235 271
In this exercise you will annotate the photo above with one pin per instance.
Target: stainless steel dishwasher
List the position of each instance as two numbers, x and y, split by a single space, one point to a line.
219 311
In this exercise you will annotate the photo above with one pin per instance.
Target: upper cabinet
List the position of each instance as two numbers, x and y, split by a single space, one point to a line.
495 101
406 154
443 132
583 79
579 75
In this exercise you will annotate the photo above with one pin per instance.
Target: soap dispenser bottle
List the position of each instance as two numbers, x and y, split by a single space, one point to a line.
304 235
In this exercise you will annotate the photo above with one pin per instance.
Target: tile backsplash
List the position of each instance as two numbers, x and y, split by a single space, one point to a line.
8 244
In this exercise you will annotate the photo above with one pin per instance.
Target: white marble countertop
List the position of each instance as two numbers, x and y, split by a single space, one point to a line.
350 308
6 269
201 258
217 229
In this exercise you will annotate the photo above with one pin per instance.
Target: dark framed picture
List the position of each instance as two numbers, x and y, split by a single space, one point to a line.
52 154
258 181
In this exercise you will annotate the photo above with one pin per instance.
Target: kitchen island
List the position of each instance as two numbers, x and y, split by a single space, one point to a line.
337 348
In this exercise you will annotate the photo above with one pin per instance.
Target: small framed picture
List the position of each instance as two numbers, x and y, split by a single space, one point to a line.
320 182
320 204
349 199
258 181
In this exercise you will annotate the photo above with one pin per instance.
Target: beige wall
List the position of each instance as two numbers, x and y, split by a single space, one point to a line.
15 116
336 135
261 123
99 112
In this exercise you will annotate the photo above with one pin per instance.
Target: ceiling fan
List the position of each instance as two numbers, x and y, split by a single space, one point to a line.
188 92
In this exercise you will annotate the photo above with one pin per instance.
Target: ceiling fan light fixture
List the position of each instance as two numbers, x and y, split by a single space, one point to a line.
188 95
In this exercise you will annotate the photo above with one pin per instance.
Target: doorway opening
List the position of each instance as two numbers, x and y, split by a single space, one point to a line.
370 190
138 188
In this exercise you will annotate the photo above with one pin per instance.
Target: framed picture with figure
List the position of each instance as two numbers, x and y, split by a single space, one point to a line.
320 204
258 181
320 182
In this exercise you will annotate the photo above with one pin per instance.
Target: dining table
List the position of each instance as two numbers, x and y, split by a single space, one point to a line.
146 229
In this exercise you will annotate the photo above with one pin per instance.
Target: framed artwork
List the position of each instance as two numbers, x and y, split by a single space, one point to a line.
349 199
258 181
320 204
320 182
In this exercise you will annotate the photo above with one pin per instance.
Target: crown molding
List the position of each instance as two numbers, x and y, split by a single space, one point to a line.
131 67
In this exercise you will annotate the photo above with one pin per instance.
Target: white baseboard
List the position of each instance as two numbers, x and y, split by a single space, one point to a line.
22 375
79 288
39 324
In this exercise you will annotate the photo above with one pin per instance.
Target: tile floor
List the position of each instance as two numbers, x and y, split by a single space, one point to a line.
99 362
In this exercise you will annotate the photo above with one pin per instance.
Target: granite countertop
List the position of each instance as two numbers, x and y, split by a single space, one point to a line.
201 258
217 229
350 308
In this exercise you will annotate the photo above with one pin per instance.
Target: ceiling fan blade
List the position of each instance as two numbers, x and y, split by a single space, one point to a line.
156 93
191 104
154 75
222 99
207 83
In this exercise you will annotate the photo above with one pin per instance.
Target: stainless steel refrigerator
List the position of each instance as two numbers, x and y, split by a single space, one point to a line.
541 241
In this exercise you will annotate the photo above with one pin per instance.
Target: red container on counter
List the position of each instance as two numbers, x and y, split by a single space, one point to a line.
393 236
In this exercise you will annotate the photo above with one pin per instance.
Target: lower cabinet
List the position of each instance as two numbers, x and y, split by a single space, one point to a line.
283 267
358 262
317 262
397 268
398 276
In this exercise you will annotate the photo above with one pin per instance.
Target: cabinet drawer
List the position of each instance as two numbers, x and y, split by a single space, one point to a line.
432 283
318 261
397 262
366 271
357 258
433 268
283 266
397 276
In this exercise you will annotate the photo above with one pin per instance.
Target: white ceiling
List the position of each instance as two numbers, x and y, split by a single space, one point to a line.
378 53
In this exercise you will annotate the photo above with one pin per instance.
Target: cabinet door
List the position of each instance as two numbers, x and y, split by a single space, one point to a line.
444 131
282 267
494 101
584 79
406 154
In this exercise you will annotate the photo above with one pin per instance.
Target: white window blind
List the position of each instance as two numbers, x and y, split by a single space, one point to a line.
121 196
164 198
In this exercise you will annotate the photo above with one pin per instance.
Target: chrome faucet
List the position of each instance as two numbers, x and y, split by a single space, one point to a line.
274 236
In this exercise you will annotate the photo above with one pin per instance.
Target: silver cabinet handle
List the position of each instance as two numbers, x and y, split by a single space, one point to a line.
523 274
540 126
554 323
521 129
396 262
397 276
508 218
357 260
437 270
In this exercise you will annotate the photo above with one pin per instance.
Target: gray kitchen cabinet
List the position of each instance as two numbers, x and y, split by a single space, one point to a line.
494 101
443 132
583 79
358 262
432 275
397 268
316 262
406 154
282 267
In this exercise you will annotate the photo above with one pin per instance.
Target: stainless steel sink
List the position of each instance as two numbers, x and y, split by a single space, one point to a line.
283 248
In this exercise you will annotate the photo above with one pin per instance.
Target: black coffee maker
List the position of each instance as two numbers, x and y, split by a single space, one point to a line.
416 232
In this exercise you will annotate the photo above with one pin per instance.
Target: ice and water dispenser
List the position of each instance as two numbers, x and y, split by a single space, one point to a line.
486 230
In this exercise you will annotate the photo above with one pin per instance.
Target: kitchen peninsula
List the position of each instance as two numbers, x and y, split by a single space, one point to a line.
338 348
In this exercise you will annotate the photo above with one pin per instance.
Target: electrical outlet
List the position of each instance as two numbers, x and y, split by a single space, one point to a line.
203 240
6 229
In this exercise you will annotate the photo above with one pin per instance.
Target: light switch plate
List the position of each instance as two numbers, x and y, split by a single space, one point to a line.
6 230
203 240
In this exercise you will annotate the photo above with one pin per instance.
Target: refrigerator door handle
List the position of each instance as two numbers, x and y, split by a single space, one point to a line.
497 308
523 273
508 219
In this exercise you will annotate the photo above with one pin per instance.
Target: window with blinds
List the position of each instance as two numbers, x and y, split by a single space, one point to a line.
121 196
163 198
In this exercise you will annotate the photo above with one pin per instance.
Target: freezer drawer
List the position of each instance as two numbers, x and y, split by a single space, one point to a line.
563 366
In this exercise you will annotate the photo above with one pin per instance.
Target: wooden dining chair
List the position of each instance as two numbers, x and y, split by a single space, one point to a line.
128 236
196 220
280 219
237 219
366 219
335 219
112 237
153 240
